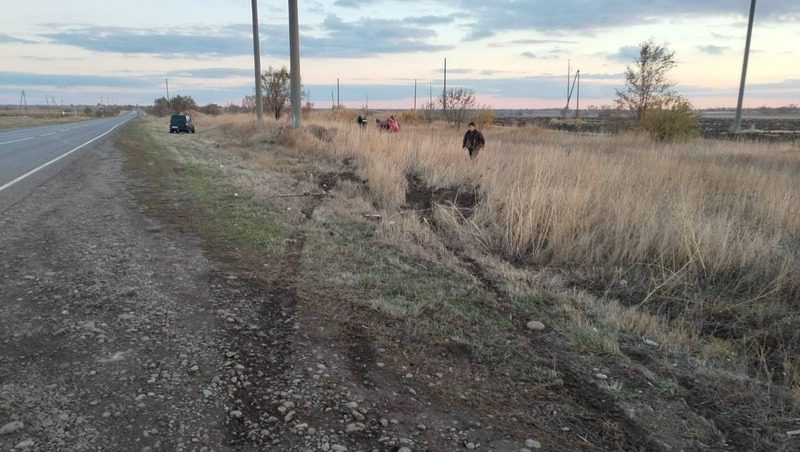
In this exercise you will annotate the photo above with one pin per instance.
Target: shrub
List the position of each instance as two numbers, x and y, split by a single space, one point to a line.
673 119
484 117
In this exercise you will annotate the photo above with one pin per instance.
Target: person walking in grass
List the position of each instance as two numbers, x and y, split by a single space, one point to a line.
473 141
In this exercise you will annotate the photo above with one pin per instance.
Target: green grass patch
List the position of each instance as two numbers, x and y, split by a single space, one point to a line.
438 304
216 210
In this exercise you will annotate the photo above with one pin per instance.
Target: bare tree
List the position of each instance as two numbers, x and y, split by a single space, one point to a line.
458 102
646 83
658 109
276 89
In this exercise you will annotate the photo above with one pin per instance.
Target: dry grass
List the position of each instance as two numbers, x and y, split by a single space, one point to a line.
704 233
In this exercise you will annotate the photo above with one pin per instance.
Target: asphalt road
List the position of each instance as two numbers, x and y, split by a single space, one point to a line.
30 156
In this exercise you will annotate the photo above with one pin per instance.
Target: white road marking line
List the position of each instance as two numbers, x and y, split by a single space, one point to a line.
9 184
16 141
47 134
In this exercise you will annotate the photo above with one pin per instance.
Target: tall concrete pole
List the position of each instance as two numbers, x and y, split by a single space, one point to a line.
294 53
257 58
444 91
738 122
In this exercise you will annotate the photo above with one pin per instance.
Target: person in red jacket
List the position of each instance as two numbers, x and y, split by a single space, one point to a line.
394 126
473 141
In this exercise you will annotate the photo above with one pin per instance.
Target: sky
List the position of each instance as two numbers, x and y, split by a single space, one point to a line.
512 53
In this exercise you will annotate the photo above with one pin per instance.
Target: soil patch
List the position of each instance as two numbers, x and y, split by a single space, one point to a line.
422 198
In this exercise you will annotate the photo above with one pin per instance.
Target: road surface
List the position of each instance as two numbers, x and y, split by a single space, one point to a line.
30 156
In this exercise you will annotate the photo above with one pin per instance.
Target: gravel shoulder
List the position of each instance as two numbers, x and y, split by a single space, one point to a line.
115 333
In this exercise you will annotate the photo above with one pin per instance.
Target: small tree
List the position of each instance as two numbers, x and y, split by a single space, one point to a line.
211 109
648 95
276 89
456 104
646 83
182 104
249 103
161 107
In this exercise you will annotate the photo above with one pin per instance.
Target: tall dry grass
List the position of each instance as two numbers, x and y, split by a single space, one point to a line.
704 230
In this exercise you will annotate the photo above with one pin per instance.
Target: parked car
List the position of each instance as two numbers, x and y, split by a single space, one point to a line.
181 123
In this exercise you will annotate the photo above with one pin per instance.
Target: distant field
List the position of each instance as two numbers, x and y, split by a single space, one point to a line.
11 117
768 125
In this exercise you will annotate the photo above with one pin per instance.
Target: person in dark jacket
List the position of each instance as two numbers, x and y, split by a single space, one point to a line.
473 141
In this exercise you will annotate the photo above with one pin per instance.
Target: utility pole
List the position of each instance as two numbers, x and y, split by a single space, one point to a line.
337 93
578 96
737 125
444 91
257 59
333 102
23 101
294 51
166 83
415 94
569 79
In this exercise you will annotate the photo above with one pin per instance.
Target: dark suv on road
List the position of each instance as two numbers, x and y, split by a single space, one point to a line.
181 123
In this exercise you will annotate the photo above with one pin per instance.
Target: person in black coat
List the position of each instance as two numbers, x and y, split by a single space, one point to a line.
473 141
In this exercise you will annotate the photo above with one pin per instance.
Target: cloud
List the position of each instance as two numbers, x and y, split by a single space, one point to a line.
369 37
712 49
211 73
429 20
63 81
781 90
6 39
229 40
537 56
625 54
590 76
530 42
724 36
348 3
340 39
583 16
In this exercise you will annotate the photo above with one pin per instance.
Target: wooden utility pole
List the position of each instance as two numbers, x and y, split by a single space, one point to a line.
444 91
257 59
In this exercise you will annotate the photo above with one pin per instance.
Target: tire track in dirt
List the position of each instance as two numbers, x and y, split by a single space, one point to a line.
611 427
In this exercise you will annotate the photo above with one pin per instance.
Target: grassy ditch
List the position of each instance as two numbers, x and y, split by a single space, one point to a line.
568 238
